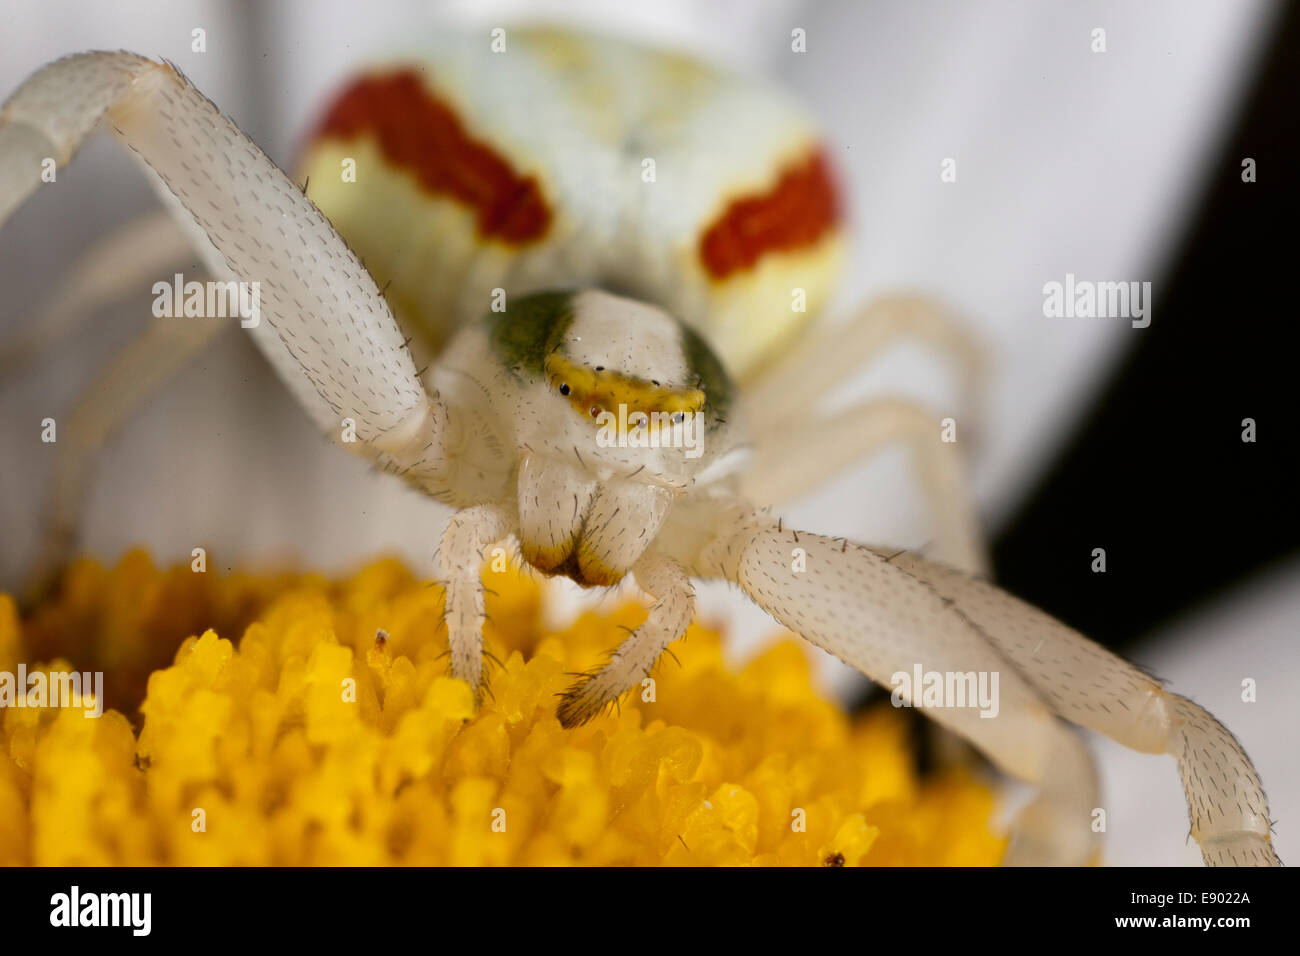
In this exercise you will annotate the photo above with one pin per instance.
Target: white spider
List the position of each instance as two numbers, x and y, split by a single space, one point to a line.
515 423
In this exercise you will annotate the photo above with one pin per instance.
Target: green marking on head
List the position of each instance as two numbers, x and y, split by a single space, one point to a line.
710 376
534 326
530 328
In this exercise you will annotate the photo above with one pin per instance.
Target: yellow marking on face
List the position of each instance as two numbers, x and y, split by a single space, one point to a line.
592 391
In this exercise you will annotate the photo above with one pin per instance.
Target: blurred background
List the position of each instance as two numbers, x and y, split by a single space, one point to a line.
1123 165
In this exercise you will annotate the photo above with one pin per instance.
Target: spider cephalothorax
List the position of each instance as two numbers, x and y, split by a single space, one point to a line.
613 408
490 177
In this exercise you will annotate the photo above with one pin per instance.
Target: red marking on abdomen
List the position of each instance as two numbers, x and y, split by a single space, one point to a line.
419 133
793 214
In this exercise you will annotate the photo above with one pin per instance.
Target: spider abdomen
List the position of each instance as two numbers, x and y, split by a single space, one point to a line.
571 161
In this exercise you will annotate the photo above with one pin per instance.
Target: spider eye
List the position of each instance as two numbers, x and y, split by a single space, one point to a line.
564 388
595 411
679 417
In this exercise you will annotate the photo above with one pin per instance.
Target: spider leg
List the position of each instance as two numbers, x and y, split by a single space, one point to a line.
874 616
114 268
781 470
785 395
465 543
127 380
887 614
1092 687
663 579
324 325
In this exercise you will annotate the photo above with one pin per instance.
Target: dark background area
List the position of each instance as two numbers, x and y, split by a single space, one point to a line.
1158 474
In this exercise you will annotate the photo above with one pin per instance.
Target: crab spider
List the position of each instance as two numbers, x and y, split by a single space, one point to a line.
512 425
